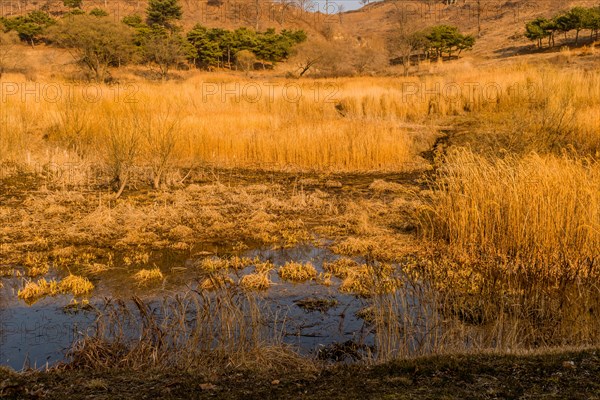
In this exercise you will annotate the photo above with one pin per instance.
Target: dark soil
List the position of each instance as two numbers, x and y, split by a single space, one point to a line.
558 375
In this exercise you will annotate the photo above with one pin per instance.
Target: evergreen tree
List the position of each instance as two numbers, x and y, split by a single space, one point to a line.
447 39
163 12
535 30
204 52
29 27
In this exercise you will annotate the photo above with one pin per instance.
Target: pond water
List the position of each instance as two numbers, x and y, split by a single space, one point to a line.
38 335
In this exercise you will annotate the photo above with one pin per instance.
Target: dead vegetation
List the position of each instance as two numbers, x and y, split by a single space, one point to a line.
72 284
147 276
494 249
297 272
228 331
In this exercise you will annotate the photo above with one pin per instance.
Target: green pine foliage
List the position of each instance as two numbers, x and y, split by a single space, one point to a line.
576 19
215 47
158 41
163 12
30 27
447 39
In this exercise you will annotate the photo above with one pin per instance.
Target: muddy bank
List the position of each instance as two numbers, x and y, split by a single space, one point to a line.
566 374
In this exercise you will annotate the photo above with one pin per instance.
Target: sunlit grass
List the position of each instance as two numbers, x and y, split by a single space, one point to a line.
259 280
297 272
73 284
146 276
543 211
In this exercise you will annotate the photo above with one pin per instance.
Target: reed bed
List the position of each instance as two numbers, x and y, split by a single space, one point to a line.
543 211
359 124
207 333
454 307
512 220
512 263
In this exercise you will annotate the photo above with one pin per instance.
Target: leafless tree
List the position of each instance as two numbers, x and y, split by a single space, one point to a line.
8 44
404 43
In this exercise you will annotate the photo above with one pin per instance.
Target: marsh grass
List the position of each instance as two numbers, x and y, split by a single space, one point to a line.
73 284
259 280
511 220
513 257
539 213
341 267
371 279
435 315
148 276
239 263
216 279
177 126
213 264
206 333
173 127
297 272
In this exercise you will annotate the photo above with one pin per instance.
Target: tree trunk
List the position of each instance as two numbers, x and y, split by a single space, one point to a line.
122 187
156 181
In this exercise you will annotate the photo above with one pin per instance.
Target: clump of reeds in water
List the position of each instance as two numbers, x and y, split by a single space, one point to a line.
513 259
207 332
72 284
297 272
147 276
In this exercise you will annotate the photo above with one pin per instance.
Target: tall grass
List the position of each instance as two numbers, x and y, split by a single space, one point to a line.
359 124
514 257
175 125
541 210
514 260
437 315
205 333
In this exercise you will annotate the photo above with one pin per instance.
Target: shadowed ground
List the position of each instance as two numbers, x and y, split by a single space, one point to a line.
561 375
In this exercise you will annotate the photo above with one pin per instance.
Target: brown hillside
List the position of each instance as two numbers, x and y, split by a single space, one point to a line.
500 25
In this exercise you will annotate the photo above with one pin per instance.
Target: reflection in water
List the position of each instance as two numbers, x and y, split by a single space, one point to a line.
38 335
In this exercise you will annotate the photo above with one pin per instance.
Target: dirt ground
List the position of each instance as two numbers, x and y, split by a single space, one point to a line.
229 208
556 375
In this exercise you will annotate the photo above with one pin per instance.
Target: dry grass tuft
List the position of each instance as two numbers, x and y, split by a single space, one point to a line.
297 272
76 285
259 280
36 264
213 264
97 268
341 267
238 263
211 334
137 258
147 276
368 280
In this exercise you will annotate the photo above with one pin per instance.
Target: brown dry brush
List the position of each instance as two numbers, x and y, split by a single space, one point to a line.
436 313
209 333
513 262
405 315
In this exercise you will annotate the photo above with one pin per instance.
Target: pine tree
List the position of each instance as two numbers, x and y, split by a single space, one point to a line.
163 12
